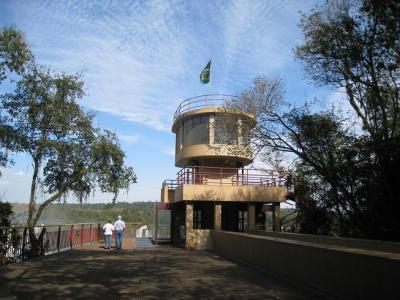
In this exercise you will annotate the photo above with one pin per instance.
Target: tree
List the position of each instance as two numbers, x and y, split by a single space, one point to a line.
312 215
58 135
5 214
108 162
14 58
345 182
43 119
52 129
351 179
14 52
356 46
318 140
9 238
335 172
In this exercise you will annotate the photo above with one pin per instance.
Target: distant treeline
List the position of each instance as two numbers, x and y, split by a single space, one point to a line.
140 212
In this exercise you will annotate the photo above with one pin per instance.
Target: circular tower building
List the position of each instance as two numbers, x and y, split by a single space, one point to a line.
213 190
209 132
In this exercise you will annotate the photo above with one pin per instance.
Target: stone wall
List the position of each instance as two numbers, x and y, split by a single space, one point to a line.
344 271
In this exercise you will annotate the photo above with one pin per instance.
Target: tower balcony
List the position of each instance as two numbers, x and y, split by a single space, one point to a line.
225 184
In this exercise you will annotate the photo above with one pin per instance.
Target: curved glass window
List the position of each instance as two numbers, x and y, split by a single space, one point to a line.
246 135
178 143
226 130
195 130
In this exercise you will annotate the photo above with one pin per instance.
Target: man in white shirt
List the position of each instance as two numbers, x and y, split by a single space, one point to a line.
119 226
108 229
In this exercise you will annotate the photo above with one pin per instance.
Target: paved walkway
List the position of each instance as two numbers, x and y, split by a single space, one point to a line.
159 272
142 242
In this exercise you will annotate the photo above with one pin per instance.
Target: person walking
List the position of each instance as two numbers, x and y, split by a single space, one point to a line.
119 226
108 229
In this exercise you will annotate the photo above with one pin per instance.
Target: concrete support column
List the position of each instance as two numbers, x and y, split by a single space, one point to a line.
189 217
251 216
190 241
276 217
164 193
217 216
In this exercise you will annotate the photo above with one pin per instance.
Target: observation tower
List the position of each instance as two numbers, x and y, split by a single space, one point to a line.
213 190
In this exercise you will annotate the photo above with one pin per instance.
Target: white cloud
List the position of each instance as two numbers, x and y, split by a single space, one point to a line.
168 151
129 139
12 173
141 58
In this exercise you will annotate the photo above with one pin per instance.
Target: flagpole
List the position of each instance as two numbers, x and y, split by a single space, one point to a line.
210 88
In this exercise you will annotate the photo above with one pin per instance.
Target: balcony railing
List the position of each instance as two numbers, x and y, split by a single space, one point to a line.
171 183
204 101
227 176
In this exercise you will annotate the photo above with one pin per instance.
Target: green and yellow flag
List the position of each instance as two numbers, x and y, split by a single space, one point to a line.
205 74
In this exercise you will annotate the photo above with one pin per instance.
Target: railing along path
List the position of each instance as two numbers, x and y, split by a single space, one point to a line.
21 243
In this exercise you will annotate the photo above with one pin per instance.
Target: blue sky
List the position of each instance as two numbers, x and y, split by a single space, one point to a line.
140 59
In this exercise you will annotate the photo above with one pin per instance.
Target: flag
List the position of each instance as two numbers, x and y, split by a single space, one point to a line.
205 74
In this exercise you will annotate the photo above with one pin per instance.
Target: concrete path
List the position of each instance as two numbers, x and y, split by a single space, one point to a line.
159 272
142 242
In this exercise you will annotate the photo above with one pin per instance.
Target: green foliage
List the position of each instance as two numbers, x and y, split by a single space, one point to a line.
108 163
312 214
5 214
53 129
8 236
344 183
69 155
14 57
14 52
337 180
55 213
355 46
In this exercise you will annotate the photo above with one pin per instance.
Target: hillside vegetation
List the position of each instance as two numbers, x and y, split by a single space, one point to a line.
140 212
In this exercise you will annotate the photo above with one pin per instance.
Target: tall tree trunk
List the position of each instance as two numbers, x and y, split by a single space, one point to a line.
31 209
114 198
32 202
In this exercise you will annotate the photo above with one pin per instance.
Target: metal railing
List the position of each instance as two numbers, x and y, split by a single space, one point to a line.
288 223
227 176
204 101
171 183
21 243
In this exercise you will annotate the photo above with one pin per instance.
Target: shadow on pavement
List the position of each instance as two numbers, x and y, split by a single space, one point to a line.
160 272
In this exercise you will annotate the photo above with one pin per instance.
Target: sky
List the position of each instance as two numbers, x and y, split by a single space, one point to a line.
140 59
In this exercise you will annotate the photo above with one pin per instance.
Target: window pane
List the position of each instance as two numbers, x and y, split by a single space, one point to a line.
197 218
187 127
226 130
196 130
246 131
178 140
